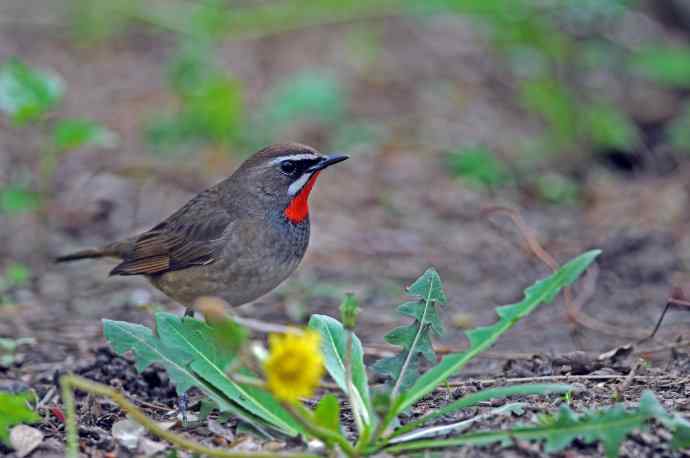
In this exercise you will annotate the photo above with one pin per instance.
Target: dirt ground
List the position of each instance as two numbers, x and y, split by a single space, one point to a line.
377 222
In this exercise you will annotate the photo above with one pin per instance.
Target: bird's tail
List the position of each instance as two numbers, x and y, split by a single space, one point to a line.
86 254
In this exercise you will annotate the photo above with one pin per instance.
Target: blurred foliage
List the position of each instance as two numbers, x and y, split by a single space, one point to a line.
18 198
561 60
69 134
307 96
210 102
15 275
478 166
549 48
26 94
557 188
9 347
678 131
666 65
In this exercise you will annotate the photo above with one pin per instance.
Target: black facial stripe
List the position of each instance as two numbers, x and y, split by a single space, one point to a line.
301 165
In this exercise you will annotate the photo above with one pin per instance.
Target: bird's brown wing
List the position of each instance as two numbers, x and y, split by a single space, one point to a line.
192 236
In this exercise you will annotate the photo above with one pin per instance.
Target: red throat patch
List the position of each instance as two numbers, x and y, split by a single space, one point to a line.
298 209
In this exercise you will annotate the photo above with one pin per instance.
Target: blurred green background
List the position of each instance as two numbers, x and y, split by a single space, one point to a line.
508 89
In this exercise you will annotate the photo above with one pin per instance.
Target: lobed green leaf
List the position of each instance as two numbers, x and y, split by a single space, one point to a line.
415 339
610 426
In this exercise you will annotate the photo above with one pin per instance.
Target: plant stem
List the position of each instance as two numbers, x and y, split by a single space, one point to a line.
320 433
72 450
394 405
410 353
69 383
363 440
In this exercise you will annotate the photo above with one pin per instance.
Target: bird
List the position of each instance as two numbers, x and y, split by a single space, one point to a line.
236 240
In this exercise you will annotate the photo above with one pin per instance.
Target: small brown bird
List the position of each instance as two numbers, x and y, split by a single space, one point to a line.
236 240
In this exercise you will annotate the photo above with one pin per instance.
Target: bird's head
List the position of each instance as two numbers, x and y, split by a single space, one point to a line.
283 175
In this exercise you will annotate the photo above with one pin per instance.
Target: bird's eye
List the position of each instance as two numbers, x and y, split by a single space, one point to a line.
288 167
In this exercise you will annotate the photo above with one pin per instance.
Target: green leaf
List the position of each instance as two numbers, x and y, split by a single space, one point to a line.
212 111
307 95
185 348
333 346
195 343
678 130
26 93
15 199
215 109
415 339
327 413
69 134
14 409
11 345
556 188
17 274
610 127
479 166
609 425
667 65
480 339
489 394
554 102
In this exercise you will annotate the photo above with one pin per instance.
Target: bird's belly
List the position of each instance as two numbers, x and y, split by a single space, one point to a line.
235 286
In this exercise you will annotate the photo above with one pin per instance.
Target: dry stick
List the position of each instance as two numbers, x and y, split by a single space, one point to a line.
670 302
70 383
574 308
555 378
629 379
575 312
386 350
680 343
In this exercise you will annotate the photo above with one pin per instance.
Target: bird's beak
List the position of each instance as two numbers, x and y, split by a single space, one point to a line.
327 161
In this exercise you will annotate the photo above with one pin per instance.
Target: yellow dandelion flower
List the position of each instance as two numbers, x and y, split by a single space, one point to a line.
294 366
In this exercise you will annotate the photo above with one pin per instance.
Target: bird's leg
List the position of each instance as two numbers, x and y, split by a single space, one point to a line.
182 405
183 401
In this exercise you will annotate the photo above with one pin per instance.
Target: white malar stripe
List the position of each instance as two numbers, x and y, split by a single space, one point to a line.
297 186
295 157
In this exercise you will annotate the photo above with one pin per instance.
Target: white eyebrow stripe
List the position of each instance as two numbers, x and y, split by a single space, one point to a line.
298 184
296 157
